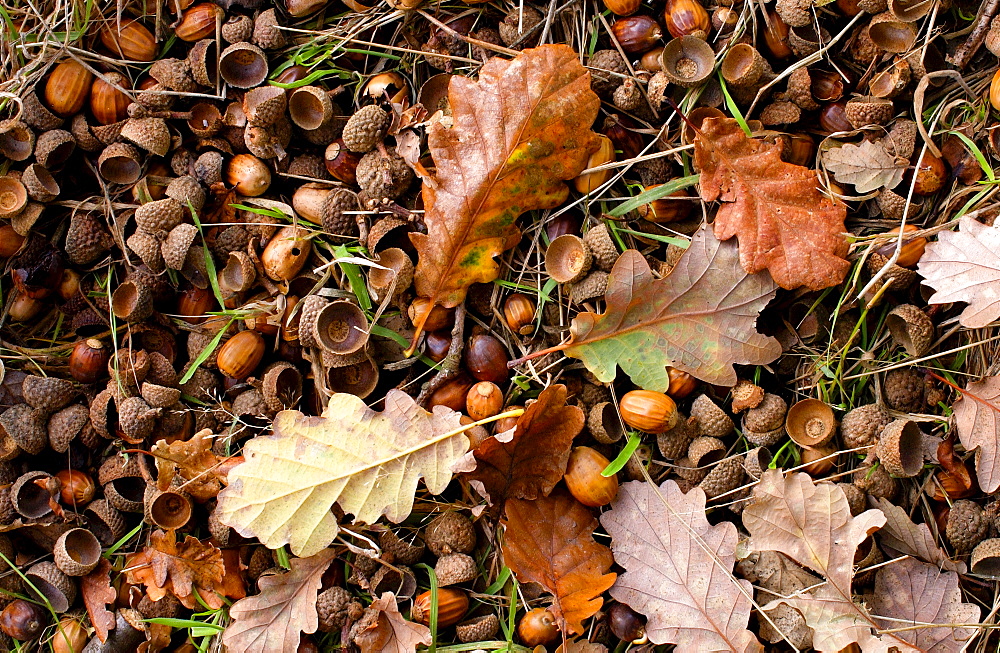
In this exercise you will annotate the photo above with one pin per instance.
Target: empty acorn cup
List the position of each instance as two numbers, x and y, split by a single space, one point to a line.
170 508
357 379
341 327
567 258
243 65
810 423
687 61
899 448
77 552
13 197
396 276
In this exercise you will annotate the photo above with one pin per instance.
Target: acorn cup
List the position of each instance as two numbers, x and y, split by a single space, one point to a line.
243 65
120 163
899 448
397 276
13 197
33 494
810 423
358 379
104 521
50 584
240 273
77 552
40 184
604 424
743 65
17 140
282 386
310 107
687 61
567 259
166 509
341 327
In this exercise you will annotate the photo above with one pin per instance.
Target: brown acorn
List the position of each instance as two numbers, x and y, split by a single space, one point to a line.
240 355
108 104
591 181
132 41
931 174
452 394
486 358
198 22
67 88
249 175
23 620
584 480
686 18
913 248
76 488
286 253
519 312
538 627
452 606
645 410
70 636
637 33
485 399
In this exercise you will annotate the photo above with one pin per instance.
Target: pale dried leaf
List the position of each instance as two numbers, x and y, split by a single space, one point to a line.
977 419
868 166
273 620
369 463
964 266
679 569
902 535
913 593
384 630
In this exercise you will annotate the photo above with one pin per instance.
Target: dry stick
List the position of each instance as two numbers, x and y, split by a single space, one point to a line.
449 364
968 49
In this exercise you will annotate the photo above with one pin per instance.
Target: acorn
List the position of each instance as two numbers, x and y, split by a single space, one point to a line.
486 358
70 636
108 104
686 18
538 627
637 33
931 174
389 85
605 153
76 488
340 162
130 41
67 88
623 7
682 384
198 22
452 606
248 175
667 209
519 312
584 480
485 399
626 624
436 345
438 319
240 355
23 620
286 253
649 411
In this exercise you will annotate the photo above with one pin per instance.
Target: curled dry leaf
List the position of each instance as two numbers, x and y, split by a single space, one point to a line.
902 535
368 463
910 595
679 569
812 524
977 419
527 461
180 568
519 133
964 266
550 541
97 593
382 629
775 209
699 319
868 166
193 461
272 620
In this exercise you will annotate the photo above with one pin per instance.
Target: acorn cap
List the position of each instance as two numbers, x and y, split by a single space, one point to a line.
602 247
175 74
450 532
800 89
132 300
118 466
403 552
911 328
674 443
768 415
746 395
104 521
208 167
159 396
223 535
36 114
136 419
103 413
186 190
264 105
40 184
310 107
126 494
150 134
166 608
688 471
383 175
265 31
743 65
33 494
175 247
892 205
567 258
54 147
281 386
243 65
161 370
335 221
712 420
237 29
604 423
861 425
17 140
51 584
381 229
687 61
593 286
756 462
77 552
876 481
724 477
781 113
201 60
985 559
628 96
309 308
899 448
902 138
159 215
478 629
365 128
897 277
705 450
308 165
86 239
341 327
46 392
867 110
455 568
167 509
795 13
967 525
65 425
250 403
397 276
904 389
26 427
331 607
119 163
764 438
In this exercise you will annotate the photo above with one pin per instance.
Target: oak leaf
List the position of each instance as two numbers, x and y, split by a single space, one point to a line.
902 535
699 319
977 420
868 166
518 134
272 620
550 541
97 594
527 461
964 266
382 629
679 569
812 524
192 460
179 568
775 209
368 463
910 593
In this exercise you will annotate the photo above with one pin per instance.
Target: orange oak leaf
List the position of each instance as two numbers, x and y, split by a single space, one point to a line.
97 594
382 629
775 209
527 461
550 541
699 319
192 460
518 134
181 568
272 620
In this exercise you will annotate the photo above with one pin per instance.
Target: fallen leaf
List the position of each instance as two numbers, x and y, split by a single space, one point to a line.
812 524
868 166
527 461
369 463
272 620
699 319
902 535
519 133
964 266
977 419
192 460
97 594
550 541
775 209
910 593
382 629
679 569
179 568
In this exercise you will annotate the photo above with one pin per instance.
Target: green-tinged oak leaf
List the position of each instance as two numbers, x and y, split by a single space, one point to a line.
519 132
368 463
783 222
550 541
273 620
699 319
678 569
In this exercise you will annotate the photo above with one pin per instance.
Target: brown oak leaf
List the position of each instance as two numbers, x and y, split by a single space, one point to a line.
382 629
775 209
915 594
977 420
527 461
181 568
272 620
550 541
678 569
902 535
868 166
519 132
97 594
964 266
699 319
192 460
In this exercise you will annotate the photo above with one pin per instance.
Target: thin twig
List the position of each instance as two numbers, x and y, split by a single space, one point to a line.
967 50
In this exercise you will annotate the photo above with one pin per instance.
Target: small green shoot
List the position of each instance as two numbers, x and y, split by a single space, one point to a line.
618 463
